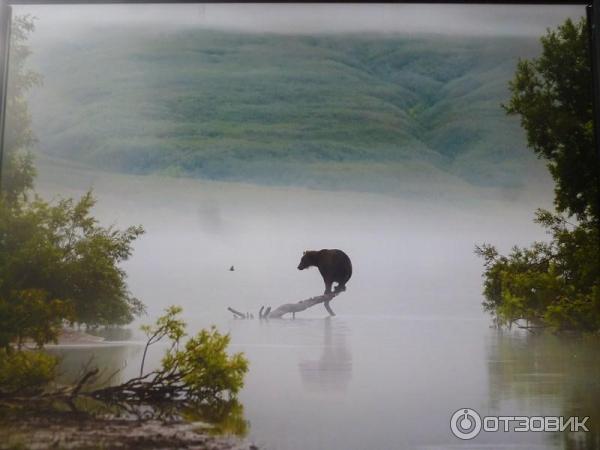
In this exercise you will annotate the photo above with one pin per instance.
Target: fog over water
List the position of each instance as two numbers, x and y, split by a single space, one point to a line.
410 257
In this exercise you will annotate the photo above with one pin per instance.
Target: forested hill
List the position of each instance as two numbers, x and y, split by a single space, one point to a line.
362 111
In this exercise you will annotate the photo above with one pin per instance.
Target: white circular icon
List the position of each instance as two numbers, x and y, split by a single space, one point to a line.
465 423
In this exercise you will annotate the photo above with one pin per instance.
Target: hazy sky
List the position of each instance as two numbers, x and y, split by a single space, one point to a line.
314 18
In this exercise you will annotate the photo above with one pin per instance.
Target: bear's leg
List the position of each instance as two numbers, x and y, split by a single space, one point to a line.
328 287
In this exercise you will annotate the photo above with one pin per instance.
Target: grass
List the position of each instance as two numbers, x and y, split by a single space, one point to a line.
350 111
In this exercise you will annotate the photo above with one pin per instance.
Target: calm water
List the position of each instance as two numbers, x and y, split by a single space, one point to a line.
410 344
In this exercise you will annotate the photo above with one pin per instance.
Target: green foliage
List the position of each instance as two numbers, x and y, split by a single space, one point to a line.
57 263
18 171
25 373
555 283
285 109
167 325
202 368
553 96
30 313
208 370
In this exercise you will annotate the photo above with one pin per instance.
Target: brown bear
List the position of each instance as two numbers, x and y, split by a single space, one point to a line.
334 265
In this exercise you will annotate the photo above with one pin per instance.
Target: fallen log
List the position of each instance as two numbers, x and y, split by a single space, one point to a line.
289 308
302 305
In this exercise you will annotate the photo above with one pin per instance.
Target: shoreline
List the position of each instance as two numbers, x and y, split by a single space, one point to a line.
67 431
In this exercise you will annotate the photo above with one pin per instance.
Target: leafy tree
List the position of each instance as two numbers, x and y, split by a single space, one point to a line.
555 283
57 263
18 171
30 313
553 96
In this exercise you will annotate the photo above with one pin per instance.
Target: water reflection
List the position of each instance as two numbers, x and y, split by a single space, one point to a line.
115 334
333 370
548 375
401 378
112 360
223 417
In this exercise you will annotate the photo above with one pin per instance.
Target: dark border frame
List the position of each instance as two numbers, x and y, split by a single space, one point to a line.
592 10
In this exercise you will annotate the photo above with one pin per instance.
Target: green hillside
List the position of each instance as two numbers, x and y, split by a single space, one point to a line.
358 111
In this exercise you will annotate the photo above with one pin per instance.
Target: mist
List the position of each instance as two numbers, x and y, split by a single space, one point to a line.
467 20
410 256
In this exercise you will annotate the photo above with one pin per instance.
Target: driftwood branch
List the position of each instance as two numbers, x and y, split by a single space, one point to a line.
288 308
302 305
236 313
156 395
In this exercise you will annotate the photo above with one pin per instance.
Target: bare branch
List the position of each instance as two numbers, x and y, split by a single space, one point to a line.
237 314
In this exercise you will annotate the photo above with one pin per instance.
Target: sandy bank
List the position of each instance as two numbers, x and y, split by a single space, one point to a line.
67 432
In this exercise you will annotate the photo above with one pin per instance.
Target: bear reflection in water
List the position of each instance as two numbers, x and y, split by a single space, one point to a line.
334 266
332 372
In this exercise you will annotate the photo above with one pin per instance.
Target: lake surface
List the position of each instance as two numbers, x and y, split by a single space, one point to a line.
410 344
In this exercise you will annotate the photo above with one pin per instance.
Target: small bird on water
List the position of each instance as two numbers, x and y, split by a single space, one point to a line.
231 269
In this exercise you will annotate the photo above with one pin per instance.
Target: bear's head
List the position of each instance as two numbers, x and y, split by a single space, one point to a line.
308 259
